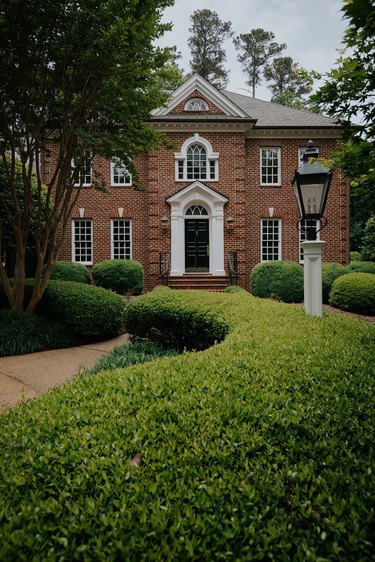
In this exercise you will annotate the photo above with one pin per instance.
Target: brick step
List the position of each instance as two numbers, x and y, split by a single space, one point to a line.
199 282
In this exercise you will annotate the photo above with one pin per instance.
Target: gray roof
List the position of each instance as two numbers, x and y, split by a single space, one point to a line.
269 114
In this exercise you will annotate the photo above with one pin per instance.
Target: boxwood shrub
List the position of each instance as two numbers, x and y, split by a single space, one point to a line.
354 292
125 277
164 317
361 267
92 313
282 280
355 256
330 272
70 271
234 289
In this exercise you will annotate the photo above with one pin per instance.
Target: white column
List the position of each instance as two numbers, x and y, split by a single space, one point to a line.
217 242
313 290
177 244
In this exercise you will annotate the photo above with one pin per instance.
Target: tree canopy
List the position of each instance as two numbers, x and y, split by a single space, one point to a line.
206 45
289 83
83 75
256 48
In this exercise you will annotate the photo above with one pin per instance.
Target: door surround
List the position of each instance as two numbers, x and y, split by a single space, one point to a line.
197 193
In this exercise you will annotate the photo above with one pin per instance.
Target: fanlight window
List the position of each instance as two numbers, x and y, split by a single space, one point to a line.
196 104
196 162
196 210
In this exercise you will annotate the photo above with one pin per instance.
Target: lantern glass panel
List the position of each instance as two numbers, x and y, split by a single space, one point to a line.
312 198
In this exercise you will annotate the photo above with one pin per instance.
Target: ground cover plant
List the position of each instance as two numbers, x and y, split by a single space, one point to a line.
257 448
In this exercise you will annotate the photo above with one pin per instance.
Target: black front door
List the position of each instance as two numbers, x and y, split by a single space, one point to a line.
196 245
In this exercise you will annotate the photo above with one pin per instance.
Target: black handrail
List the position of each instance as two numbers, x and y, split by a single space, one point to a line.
232 268
164 268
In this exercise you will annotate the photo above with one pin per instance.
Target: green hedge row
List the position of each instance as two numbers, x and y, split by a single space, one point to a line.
260 448
163 317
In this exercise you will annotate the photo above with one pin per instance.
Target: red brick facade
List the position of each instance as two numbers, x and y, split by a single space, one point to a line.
238 181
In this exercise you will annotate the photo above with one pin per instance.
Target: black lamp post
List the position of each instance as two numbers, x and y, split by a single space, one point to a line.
311 185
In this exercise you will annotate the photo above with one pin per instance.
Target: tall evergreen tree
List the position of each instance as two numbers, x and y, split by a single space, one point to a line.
257 47
206 45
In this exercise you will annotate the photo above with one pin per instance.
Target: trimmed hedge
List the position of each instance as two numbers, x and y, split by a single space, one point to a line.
355 256
330 272
281 280
361 267
71 271
234 289
164 318
354 292
260 448
25 333
92 313
125 277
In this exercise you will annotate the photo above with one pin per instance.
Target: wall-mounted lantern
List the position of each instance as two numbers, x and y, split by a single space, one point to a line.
230 224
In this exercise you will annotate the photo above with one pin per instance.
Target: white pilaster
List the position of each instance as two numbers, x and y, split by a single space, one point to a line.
313 290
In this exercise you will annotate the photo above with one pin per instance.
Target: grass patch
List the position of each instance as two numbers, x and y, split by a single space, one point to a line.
130 354
258 448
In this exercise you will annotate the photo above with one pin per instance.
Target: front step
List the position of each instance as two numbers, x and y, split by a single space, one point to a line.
197 282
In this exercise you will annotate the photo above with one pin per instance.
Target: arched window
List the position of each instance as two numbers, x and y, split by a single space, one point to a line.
196 161
196 104
197 210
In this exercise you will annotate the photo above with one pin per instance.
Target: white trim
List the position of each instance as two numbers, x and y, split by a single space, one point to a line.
112 165
198 101
268 184
197 194
73 241
196 82
131 236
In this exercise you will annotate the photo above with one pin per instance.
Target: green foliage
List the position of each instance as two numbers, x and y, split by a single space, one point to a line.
368 241
234 289
354 292
355 256
121 276
257 46
278 279
289 83
130 354
92 313
71 271
330 272
361 267
164 317
206 45
27 333
260 448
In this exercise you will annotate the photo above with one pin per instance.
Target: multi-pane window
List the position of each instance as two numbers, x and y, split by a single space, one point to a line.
270 166
83 169
121 239
196 163
119 174
304 225
270 239
82 241
196 104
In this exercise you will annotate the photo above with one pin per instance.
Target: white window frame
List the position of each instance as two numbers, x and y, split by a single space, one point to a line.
278 222
197 102
86 156
181 160
86 262
302 237
270 183
126 174
113 256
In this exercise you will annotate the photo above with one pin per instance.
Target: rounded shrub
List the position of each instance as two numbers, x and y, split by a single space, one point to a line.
355 256
278 279
71 271
234 289
121 276
330 272
92 313
361 267
354 292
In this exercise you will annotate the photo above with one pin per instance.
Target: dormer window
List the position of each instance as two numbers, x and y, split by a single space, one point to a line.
197 161
196 104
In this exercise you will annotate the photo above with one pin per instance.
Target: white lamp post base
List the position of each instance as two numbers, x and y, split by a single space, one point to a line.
313 290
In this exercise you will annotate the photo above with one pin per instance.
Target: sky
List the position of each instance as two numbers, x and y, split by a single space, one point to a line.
312 30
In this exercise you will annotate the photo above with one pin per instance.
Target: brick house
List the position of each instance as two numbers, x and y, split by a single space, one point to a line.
225 191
